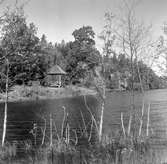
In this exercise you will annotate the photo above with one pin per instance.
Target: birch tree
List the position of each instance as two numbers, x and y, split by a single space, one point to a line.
6 86
6 102
108 38
133 36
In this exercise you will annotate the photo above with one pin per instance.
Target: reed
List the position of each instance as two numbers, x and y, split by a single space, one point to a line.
117 148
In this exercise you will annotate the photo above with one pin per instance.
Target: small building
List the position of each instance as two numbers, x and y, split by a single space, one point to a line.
55 76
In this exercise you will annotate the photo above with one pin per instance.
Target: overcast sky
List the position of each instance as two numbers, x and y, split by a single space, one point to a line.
59 18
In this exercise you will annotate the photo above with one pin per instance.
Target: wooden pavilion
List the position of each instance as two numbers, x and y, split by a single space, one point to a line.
56 73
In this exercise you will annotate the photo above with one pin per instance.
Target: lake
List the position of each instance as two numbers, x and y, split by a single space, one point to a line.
118 102
23 115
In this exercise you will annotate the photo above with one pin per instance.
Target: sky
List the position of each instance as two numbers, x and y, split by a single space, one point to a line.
57 19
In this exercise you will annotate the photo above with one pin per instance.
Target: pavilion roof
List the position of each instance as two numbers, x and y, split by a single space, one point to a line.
56 70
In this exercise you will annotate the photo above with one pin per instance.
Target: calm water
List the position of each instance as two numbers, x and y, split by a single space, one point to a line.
121 102
22 115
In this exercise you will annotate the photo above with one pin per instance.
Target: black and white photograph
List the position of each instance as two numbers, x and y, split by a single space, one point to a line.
83 81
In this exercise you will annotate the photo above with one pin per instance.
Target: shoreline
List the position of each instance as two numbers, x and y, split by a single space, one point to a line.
34 93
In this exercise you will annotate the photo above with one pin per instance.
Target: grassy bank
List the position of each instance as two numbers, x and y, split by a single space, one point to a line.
109 151
23 93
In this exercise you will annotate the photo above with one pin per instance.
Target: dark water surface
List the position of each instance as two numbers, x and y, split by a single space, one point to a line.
118 102
22 115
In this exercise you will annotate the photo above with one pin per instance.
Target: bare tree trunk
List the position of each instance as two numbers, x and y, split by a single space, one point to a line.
139 74
6 104
129 124
101 121
141 120
44 132
122 123
51 132
108 37
141 84
148 120
102 104
64 119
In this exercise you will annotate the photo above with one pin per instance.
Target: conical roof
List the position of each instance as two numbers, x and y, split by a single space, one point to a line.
56 70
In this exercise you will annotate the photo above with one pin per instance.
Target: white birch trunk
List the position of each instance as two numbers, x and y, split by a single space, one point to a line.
141 120
51 132
101 122
129 125
148 120
6 105
122 123
102 112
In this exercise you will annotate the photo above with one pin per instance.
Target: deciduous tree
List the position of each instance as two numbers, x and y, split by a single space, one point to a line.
20 45
81 54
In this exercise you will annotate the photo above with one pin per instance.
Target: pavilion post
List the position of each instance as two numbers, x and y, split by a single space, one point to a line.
59 80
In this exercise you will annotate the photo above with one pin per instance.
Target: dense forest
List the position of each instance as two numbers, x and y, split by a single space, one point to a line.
29 57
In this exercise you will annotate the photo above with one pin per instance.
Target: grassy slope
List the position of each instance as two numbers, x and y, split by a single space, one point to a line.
22 93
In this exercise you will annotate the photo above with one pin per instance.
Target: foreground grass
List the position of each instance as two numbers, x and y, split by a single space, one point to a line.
122 150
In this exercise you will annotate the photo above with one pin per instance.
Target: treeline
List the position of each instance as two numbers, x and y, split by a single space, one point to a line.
29 57
118 68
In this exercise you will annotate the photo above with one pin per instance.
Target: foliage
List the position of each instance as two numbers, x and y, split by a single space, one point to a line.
20 45
81 54
119 65
30 57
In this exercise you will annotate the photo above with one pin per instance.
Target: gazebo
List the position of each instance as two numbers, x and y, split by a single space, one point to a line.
56 73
